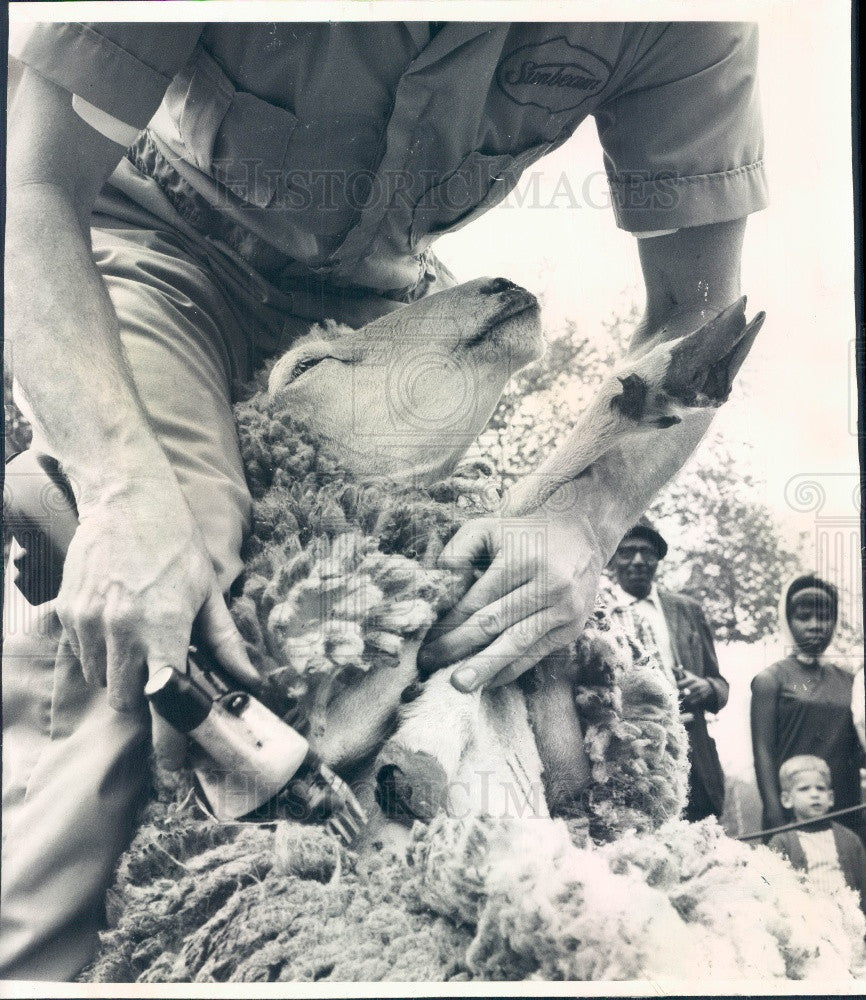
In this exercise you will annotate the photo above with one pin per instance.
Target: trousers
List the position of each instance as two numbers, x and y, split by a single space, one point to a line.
194 324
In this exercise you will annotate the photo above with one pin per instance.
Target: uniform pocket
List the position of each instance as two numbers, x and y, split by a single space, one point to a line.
479 183
237 138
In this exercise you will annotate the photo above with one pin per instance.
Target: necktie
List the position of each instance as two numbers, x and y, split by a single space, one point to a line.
645 634
642 631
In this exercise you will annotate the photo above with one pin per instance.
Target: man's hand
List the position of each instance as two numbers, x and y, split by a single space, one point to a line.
136 578
534 597
137 575
695 691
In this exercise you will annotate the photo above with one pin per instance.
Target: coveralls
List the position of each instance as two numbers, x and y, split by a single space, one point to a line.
279 174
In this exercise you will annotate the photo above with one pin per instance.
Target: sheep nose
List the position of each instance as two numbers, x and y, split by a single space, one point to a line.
497 285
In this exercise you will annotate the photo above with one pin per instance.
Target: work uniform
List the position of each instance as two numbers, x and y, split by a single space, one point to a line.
278 174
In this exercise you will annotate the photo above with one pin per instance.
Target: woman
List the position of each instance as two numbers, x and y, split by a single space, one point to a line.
802 704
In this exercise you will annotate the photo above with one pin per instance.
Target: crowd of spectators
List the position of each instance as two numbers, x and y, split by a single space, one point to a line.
807 713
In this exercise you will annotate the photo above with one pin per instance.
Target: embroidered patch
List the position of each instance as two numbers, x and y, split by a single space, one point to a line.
554 75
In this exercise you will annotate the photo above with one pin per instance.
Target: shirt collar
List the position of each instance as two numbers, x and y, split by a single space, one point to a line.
624 599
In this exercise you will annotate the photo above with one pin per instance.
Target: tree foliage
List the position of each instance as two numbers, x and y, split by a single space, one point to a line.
725 542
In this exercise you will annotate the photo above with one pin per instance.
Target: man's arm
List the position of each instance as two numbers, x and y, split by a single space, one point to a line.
712 674
693 268
62 325
708 690
137 573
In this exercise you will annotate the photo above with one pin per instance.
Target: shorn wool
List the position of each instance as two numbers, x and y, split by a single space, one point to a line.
339 575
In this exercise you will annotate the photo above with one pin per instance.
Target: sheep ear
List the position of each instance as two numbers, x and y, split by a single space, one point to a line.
631 402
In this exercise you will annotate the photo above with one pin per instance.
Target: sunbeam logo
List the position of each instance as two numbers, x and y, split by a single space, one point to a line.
554 75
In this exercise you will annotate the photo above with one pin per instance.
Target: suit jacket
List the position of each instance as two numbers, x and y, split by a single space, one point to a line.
693 647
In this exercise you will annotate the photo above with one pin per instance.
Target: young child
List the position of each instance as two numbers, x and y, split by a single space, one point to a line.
832 854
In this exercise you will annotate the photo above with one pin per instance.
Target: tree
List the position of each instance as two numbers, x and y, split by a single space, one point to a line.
725 542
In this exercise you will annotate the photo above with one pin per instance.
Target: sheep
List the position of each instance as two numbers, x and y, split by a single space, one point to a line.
513 858
314 613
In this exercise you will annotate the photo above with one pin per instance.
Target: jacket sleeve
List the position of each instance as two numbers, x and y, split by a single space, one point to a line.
852 860
720 686
122 69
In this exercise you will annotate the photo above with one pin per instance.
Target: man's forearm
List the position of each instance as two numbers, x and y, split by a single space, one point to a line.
66 351
690 269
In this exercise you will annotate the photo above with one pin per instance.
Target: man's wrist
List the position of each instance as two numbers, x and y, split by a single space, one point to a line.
140 469
677 320
599 492
568 505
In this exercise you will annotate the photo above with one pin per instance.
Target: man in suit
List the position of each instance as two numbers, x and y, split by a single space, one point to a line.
676 626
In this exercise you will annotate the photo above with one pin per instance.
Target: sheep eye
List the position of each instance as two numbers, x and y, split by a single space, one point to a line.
304 365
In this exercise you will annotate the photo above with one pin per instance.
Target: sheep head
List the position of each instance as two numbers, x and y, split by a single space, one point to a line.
406 394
